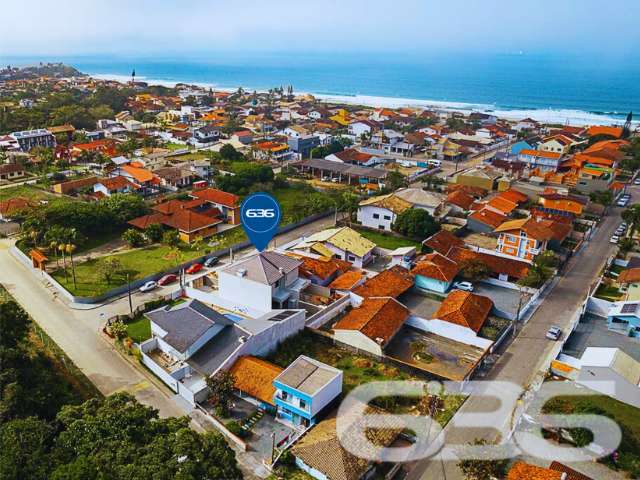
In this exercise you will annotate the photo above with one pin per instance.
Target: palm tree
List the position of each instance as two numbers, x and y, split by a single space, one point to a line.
53 246
70 248
63 247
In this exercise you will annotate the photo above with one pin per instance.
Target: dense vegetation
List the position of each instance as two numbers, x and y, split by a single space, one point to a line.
45 433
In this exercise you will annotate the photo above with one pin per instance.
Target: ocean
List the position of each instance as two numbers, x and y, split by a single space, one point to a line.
569 89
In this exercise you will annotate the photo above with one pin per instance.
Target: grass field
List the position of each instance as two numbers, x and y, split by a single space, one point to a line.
626 416
139 330
389 242
143 261
26 191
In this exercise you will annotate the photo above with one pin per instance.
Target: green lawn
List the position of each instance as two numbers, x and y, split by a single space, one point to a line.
188 157
174 146
26 191
608 292
145 261
626 416
139 330
389 242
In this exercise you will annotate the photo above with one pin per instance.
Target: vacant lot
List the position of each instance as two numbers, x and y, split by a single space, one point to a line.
390 242
26 191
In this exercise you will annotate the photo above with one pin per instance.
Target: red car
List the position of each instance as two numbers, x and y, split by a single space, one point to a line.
195 268
167 279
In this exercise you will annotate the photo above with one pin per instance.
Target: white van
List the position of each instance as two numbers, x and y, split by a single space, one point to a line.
432 162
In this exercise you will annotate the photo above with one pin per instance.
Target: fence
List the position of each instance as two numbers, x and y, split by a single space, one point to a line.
317 320
118 291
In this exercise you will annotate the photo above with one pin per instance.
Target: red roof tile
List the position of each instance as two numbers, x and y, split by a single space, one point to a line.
388 283
498 265
466 309
219 197
488 217
377 318
436 266
443 241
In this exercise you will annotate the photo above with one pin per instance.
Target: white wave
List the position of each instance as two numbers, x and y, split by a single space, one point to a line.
548 115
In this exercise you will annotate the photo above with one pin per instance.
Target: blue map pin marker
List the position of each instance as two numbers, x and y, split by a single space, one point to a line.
260 217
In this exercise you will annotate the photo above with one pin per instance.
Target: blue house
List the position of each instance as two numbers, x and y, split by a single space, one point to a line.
304 389
624 317
517 147
435 272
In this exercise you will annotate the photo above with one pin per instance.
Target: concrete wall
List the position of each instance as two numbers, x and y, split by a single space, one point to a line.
610 383
366 217
326 395
598 306
432 284
324 316
244 291
449 330
358 340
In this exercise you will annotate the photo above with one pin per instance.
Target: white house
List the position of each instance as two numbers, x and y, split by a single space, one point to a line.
360 127
381 212
344 243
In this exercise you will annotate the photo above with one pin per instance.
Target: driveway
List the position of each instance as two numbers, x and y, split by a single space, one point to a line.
523 358
420 304
504 299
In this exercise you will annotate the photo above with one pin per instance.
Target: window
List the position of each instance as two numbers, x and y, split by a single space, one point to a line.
381 227
352 258
376 215
387 217
303 404
284 395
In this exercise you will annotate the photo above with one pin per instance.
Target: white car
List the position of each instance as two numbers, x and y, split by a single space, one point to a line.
147 287
554 333
614 239
466 286
636 181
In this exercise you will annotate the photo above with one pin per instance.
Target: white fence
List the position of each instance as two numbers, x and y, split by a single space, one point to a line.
317 320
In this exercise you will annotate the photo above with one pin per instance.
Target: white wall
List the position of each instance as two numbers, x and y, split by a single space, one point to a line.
366 213
605 380
449 330
358 340
326 395
244 291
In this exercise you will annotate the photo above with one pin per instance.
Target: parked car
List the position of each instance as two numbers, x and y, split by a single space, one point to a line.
554 333
614 239
211 261
167 279
195 268
624 225
622 203
636 181
147 287
467 286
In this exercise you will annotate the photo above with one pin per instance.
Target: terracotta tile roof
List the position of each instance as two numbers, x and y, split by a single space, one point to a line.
460 199
255 376
465 308
116 183
347 280
488 217
498 265
502 204
468 189
436 266
389 283
534 228
322 450
220 197
15 204
188 221
390 201
514 196
524 471
604 130
146 220
351 155
571 474
379 318
630 275
322 267
541 154
139 174
443 241
11 168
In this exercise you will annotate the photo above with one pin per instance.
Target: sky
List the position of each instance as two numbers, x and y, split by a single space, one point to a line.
135 27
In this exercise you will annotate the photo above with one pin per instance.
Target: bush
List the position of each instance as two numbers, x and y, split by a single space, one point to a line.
154 232
171 238
235 428
416 223
118 329
133 237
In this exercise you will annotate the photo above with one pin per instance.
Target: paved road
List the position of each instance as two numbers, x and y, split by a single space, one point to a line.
523 358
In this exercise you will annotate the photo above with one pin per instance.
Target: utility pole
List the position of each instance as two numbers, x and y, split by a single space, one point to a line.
129 292
517 319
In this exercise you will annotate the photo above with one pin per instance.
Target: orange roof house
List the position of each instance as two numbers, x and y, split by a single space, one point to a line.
501 267
465 309
322 270
136 174
347 281
460 199
228 203
438 268
392 282
615 132
254 377
562 204
12 206
442 242
502 205
372 325
630 275
489 218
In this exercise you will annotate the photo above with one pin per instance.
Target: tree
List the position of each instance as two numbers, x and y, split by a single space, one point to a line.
395 180
109 268
416 223
228 152
631 215
221 386
602 197
474 269
171 238
488 469
133 237
540 271
116 438
626 245
154 232
118 329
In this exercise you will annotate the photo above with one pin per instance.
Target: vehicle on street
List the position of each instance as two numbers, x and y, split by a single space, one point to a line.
622 203
614 239
620 231
167 279
195 268
636 181
211 261
466 286
147 287
554 333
